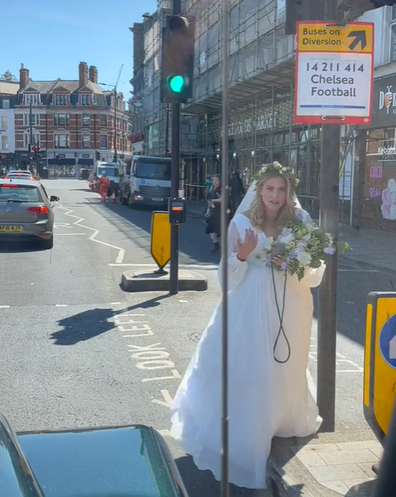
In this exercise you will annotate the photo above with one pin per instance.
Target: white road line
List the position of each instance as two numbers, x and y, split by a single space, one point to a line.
121 251
60 305
70 234
358 270
4 306
182 266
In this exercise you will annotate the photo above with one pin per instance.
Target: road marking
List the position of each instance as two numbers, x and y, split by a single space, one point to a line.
4 306
121 251
182 266
359 270
167 402
60 305
70 234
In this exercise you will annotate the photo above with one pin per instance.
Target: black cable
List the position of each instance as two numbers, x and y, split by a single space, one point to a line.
280 315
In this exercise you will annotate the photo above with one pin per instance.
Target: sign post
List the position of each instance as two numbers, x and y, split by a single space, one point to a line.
334 73
334 80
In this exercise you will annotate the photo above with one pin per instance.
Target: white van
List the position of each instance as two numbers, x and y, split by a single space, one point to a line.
113 171
150 181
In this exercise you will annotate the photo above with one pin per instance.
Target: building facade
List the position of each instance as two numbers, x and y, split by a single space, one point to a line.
7 131
70 121
375 167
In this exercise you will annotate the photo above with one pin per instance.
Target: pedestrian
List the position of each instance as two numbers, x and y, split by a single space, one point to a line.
104 185
213 214
269 328
237 192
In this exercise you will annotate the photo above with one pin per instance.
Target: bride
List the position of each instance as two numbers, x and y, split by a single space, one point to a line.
268 388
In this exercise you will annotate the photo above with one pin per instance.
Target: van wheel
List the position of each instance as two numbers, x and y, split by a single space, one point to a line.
124 200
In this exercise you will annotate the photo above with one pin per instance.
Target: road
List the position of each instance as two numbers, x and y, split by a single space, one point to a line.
76 350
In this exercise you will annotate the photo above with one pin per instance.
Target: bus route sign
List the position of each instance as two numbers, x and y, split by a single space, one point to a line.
334 73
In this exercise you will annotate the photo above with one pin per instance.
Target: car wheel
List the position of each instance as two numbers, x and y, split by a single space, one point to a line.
48 244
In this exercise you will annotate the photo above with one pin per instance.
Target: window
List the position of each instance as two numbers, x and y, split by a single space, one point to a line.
4 123
103 120
62 140
31 99
4 142
6 104
35 119
85 99
61 119
21 193
35 138
86 120
103 141
60 99
86 141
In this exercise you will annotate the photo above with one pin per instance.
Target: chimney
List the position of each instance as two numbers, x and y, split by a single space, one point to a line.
93 75
23 77
83 74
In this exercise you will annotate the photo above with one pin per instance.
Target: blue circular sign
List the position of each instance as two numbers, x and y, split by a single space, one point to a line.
387 341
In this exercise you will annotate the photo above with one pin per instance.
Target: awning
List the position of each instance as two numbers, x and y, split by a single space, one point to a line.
85 162
62 162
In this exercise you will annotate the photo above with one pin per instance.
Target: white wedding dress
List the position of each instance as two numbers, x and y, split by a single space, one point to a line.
266 398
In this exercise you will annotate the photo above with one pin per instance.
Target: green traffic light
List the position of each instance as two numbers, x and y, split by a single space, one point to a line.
176 83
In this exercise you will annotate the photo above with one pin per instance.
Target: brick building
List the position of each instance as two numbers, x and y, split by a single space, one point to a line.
71 121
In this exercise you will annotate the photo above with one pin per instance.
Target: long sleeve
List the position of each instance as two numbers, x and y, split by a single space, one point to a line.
236 268
313 276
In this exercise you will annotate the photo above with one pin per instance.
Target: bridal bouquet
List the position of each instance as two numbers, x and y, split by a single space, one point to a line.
304 246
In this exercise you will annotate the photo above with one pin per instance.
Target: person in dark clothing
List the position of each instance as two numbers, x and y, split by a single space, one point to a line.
213 214
237 192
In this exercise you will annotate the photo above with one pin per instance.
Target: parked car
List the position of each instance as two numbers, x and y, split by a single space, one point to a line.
114 461
26 212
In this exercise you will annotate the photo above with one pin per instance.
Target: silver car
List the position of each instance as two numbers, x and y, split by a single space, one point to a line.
26 212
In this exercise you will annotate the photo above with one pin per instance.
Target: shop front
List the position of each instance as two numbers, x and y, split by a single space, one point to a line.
378 188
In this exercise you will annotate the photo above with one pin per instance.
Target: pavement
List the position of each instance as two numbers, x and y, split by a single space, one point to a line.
367 246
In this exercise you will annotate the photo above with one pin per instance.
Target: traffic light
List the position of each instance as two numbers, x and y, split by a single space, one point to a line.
177 68
36 150
98 156
350 10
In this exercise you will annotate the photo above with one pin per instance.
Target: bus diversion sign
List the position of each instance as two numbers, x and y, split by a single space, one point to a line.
334 73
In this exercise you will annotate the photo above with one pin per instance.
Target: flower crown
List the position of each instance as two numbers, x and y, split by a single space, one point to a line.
276 167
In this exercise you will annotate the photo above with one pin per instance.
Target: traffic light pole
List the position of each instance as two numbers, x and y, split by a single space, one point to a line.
175 168
327 316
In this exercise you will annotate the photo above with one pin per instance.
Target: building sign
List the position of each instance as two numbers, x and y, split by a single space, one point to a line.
334 73
153 137
249 125
384 103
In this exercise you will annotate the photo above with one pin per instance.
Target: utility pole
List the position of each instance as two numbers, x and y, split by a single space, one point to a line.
167 130
327 318
175 171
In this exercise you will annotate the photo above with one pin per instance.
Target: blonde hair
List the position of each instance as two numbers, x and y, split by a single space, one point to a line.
257 213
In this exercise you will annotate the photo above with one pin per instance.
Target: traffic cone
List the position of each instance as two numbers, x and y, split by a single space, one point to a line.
113 198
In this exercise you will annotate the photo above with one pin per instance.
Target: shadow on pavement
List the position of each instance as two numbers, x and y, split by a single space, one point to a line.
90 324
199 483
362 489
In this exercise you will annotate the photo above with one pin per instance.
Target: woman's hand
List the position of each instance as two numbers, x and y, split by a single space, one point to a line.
277 260
246 247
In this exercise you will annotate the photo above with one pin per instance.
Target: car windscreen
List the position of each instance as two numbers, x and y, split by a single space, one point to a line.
18 193
154 170
109 171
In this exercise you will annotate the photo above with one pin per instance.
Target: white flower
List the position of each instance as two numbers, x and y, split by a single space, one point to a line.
286 238
304 258
268 243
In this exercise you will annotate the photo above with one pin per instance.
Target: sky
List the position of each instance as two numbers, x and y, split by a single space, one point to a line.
52 38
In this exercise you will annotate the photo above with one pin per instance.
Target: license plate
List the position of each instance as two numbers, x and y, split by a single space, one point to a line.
156 199
4 229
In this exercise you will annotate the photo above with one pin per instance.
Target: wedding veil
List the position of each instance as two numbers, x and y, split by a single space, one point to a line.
244 206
